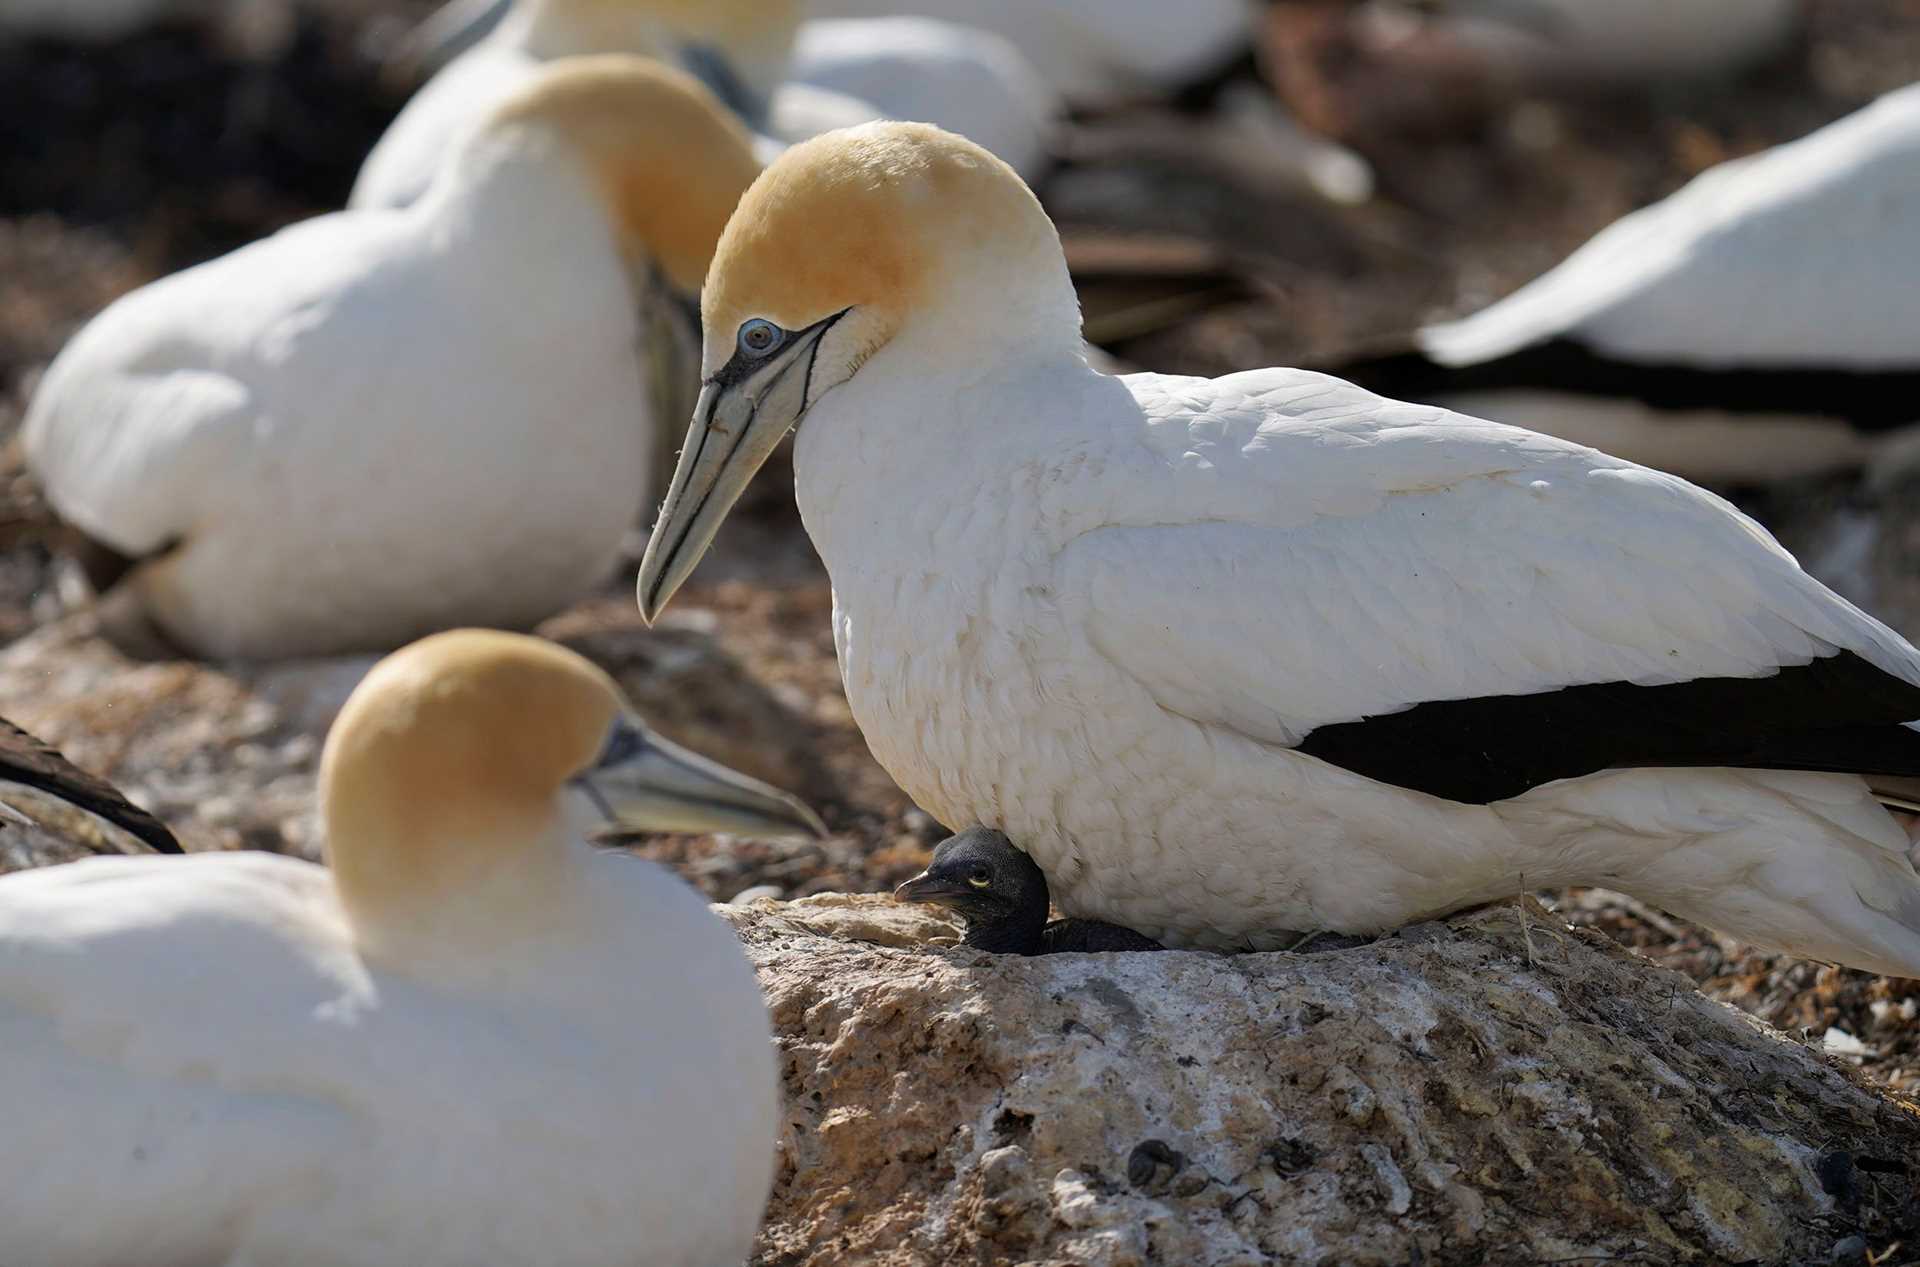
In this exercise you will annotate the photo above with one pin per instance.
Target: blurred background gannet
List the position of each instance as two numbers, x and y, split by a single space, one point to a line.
1093 50
377 424
1268 652
1753 326
845 74
475 1039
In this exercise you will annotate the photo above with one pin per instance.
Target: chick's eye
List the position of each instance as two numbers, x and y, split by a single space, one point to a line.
760 336
980 878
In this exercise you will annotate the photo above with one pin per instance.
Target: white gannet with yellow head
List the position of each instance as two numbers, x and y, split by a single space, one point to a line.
376 424
1235 657
740 48
474 1039
785 81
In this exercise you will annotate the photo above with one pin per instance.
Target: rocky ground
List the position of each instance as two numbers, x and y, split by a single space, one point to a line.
119 165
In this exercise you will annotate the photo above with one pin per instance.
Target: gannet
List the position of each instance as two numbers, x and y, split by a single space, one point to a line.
920 69
472 1039
1002 897
1093 50
739 48
52 809
745 50
1269 652
373 425
1750 327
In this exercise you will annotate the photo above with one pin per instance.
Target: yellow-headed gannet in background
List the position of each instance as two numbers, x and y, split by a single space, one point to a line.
474 1039
51 810
1268 652
1749 328
377 424
745 51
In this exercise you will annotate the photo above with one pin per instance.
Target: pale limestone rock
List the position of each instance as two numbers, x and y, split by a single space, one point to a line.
1493 1089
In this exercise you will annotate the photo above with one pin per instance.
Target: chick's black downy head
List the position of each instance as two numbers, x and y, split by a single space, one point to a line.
996 888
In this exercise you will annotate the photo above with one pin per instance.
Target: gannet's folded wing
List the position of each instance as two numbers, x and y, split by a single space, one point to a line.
1462 607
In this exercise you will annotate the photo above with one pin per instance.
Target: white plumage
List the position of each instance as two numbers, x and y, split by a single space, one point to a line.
1782 286
926 70
968 81
467 1044
375 424
1794 256
1103 614
1092 50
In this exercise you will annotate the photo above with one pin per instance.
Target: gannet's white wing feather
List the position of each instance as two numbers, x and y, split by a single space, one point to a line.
135 1065
411 151
1809 243
1296 552
151 415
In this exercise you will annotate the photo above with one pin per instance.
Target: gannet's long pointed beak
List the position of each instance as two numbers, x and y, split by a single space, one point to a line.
740 418
646 783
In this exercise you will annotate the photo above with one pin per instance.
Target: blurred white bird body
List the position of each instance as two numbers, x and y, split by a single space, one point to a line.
967 81
372 425
459 1045
1090 50
1747 327
936 72
1232 658
1787 257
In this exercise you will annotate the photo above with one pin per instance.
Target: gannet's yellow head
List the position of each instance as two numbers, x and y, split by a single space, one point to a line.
740 48
670 161
453 761
849 243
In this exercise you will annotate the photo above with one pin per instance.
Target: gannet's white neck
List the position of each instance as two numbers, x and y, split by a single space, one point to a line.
528 201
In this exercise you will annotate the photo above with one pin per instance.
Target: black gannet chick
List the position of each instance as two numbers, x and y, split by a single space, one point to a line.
373 425
1002 896
472 1038
1230 657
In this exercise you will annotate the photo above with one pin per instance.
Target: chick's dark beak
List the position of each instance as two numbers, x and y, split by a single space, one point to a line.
931 888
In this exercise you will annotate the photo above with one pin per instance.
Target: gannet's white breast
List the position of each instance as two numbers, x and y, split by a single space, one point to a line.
1799 256
1090 49
202 1069
967 81
366 427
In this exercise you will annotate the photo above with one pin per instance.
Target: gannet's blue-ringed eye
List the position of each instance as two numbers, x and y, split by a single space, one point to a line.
758 337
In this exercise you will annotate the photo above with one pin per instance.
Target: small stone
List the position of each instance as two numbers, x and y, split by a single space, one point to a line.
1152 1163
1850 1252
755 893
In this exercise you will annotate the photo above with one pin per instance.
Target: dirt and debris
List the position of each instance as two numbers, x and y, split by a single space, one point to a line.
118 165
